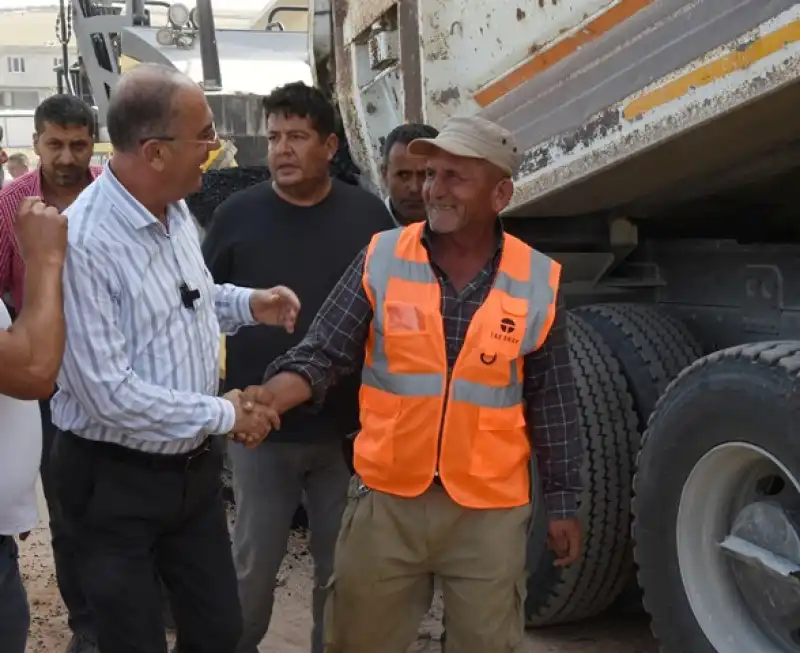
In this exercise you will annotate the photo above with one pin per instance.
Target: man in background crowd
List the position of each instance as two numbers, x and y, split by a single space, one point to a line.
30 356
64 143
300 229
403 175
17 165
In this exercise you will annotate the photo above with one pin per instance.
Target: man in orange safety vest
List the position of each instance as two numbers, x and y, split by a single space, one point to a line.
462 337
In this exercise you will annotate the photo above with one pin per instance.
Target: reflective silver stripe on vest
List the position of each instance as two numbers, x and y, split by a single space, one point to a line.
408 385
539 284
486 395
383 265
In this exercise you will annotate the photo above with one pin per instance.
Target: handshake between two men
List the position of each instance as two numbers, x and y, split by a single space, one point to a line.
256 415
256 412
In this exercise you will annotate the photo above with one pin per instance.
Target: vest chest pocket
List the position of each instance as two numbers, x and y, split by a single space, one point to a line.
500 442
404 319
505 325
410 339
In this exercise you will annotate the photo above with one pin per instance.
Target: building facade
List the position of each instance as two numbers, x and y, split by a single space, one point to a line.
30 53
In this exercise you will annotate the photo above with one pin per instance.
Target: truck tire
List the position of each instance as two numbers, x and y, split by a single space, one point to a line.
652 348
609 432
716 484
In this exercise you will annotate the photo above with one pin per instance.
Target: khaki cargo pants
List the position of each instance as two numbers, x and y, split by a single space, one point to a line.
389 549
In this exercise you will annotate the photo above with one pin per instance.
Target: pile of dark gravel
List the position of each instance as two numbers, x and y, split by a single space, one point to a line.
220 184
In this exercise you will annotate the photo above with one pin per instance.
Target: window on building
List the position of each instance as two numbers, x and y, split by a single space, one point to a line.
16 65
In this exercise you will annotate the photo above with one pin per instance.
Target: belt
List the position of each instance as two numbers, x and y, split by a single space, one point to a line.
155 461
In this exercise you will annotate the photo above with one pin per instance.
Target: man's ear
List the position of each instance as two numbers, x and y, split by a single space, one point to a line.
332 145
36 143
503 192
154 153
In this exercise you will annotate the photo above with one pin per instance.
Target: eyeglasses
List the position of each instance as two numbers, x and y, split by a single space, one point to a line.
213 140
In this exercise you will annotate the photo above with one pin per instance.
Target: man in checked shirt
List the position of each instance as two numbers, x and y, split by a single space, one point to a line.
466 364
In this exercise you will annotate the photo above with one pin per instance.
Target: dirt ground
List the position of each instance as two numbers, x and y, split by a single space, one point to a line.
290 628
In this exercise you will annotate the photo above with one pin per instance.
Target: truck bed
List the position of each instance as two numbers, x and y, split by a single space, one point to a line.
585 85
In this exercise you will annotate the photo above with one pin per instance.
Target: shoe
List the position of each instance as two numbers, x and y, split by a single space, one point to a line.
81 643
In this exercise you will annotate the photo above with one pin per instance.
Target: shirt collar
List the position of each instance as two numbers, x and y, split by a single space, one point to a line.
392 213
131 208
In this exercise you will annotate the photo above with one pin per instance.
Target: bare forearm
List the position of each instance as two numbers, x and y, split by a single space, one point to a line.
31 350
289 390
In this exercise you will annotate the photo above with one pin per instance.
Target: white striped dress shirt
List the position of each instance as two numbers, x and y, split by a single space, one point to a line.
140 369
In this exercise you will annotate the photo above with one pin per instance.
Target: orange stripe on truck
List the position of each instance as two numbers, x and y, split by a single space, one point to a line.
740 59
559 51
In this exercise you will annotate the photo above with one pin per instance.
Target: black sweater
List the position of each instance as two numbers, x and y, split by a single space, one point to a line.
258 240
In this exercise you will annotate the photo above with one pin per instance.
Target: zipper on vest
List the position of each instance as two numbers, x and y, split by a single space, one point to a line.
441 421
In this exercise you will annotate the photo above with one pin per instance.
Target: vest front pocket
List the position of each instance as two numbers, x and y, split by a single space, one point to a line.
374 449
500 443
402 318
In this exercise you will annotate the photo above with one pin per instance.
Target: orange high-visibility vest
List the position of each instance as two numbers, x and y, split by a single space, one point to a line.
469 425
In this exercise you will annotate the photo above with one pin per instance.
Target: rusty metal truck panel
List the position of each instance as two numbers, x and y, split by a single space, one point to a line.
582 84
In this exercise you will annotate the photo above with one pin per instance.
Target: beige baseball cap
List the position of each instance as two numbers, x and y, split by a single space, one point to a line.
473 137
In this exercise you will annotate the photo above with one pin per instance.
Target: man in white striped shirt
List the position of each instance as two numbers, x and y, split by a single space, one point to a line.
136 464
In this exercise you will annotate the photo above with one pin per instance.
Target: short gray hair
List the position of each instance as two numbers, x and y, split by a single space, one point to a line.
18 157
141 105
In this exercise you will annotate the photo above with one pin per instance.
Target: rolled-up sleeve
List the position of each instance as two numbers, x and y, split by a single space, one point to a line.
97 371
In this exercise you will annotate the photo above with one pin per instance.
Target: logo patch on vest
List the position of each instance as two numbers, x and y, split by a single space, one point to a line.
505 333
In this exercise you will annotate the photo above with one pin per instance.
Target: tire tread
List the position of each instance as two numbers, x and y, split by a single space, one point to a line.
608 424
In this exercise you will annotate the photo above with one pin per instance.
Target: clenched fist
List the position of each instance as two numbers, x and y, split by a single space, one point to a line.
41 233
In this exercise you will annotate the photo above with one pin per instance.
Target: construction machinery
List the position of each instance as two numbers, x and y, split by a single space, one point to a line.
661 148
114 36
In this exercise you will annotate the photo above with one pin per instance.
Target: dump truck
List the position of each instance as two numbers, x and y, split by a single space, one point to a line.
661 162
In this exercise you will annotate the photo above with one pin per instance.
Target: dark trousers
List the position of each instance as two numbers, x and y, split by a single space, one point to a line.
15 616
135 517
79 617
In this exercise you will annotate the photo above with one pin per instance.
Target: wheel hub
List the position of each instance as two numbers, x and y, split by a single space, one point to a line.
764 547
738 545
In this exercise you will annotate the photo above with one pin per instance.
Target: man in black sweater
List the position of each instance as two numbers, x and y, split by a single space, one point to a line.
301 229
